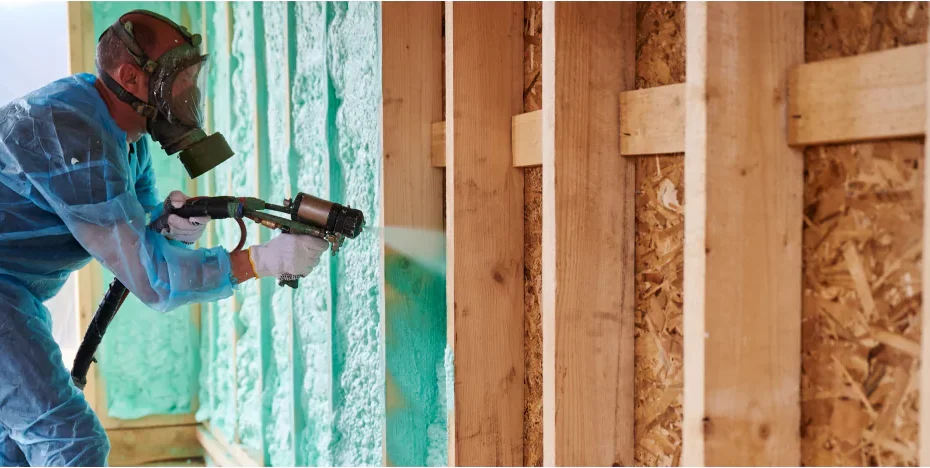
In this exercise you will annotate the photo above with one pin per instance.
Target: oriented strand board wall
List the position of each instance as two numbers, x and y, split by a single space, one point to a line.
532 253
660 60
862 254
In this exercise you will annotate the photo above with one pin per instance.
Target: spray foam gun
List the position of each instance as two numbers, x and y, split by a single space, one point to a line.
309 216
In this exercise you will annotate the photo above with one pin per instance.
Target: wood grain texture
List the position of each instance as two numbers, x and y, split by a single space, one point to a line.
652 120
743 211
527 131
134 447
412 189
438 145
484 47
866 97
588 235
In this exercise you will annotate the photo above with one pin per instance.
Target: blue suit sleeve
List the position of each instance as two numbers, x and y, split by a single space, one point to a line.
146 190
83 174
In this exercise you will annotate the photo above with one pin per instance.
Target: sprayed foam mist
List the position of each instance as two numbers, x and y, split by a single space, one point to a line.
426 247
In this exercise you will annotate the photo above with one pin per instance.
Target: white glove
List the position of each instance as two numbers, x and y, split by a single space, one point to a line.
182 229
287 254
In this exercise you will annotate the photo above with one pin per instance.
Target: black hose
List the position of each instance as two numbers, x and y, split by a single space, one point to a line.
107 309
215 207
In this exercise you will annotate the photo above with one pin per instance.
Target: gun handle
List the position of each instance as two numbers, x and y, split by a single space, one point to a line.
288 282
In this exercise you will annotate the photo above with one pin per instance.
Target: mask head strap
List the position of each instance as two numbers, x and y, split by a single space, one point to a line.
124 31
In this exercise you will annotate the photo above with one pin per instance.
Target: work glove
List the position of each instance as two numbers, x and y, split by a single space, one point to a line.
287 255
186 230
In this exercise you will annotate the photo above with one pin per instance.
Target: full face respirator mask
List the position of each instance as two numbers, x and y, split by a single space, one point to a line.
174 111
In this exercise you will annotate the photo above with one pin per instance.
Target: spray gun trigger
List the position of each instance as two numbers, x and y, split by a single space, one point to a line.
335 241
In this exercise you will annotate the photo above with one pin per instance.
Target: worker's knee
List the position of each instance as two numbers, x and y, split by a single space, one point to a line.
69 435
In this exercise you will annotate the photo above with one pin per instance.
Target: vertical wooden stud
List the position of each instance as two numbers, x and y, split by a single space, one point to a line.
743 212
484 74
412 203
588 235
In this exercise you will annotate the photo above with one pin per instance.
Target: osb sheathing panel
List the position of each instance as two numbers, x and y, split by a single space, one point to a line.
660 60
532 245
862 254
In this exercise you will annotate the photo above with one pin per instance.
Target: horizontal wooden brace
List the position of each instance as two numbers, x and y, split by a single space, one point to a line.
652 120
867 97
526 131
146 445
221 452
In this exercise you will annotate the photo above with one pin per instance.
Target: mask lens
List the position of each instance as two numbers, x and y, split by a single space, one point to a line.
186 97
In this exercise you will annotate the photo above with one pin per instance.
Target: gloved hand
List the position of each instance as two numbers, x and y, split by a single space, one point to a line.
183 229
287 254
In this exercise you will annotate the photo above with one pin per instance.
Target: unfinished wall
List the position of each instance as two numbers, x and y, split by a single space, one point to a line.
862 254
660 60
150 360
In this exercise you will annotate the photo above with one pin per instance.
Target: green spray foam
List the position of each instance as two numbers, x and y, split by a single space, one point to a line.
278 397
308 170
353 58
415 338
316 349
243 180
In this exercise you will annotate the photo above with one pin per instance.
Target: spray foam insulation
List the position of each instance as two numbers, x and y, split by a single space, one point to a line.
658 384
353 55
149 360
278 395
532 247
862 274
308 170
295 375
248 345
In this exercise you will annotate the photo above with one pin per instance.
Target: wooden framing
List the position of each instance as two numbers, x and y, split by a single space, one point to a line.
224 453
142 446
412 99
652 120
742 278
866 97
484 90
526 132
81 45
743 186
588 235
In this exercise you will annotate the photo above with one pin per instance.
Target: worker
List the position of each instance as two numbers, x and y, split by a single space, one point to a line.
76 182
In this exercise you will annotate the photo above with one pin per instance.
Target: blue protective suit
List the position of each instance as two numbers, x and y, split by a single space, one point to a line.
72 188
